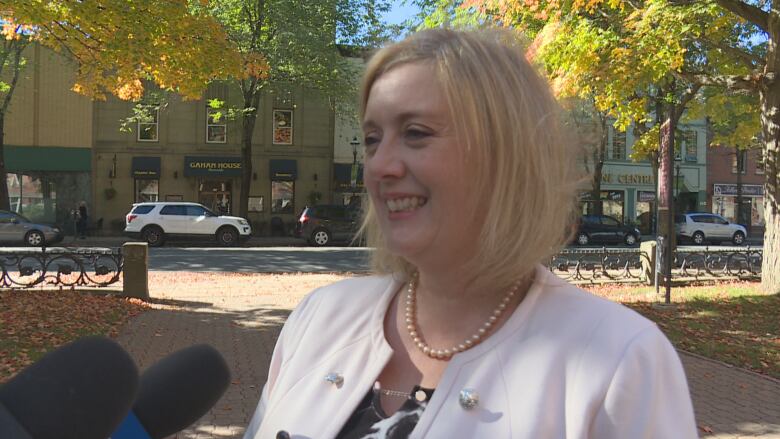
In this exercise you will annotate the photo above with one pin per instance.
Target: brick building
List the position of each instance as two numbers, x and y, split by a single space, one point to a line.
722 186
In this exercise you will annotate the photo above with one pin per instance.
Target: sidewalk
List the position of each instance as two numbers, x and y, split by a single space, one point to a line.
243 324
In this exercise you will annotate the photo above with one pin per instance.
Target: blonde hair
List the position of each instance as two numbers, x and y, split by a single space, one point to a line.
524 165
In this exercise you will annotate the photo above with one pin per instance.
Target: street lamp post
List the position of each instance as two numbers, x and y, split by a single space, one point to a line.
354 143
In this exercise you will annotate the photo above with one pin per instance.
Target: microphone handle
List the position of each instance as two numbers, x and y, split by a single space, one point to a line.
130 428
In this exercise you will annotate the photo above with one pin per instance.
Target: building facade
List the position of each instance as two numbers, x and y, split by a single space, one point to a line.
48 141
63 148
728 169
186 152
628 188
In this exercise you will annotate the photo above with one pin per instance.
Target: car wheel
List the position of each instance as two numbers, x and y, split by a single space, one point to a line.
698 238
34 238
738 238
227 236
629 239
153 236
583 239
320 237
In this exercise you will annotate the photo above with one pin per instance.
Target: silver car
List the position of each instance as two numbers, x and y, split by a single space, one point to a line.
708 227
16 229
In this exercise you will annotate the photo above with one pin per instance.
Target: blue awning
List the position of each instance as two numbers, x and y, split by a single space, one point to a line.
342 177
146 167
283 169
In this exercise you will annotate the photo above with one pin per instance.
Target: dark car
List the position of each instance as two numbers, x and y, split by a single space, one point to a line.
324 224
602 229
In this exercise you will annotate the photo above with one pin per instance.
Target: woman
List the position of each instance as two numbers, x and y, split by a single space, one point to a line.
462 333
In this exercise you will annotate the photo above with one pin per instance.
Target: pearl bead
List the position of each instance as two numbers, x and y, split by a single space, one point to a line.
426 350
420 344
412 332
502 306
468 343
493 319
481 331
417 340
461 347
475 338
497 312
447 353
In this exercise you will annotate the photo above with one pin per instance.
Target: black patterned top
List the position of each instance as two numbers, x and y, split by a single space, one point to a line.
369 421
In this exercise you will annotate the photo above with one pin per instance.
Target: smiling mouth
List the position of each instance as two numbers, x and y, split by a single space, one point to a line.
406 204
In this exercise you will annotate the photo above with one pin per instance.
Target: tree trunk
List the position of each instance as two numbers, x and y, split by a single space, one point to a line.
770 130
4 202
251 103
598 166
740 164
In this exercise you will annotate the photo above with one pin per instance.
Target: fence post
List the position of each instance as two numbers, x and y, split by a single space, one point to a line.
135 270
648 264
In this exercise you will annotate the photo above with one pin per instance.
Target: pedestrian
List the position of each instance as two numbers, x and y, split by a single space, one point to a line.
461 332
82 220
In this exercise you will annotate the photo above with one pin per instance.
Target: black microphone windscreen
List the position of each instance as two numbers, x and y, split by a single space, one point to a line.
179 389
10 427
82 390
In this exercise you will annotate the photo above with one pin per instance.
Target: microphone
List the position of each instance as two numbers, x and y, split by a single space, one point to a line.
175 392
80 391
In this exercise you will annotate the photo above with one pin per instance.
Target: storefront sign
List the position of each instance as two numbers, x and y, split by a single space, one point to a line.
645 197
728 189
212 166
627 179
146 167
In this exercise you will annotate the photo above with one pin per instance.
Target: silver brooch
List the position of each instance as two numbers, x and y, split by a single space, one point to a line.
468 398
335 378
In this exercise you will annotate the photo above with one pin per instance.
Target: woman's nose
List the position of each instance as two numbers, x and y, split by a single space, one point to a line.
387 162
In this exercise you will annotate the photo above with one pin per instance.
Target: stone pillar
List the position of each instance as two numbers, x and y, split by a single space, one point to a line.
135 272
648 264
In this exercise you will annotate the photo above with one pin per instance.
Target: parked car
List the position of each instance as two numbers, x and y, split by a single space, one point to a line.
17 229
603 229
326 223
157 222
702 227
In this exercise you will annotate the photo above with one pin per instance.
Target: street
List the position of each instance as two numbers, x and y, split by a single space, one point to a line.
260 260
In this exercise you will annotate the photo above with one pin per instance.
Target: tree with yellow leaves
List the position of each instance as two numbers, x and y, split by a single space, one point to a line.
118 46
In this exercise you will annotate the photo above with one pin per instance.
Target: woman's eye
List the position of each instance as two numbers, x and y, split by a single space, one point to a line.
370 140
415 134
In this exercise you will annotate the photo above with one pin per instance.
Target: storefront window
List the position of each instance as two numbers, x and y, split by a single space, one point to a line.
147 190
282 197
757 213
32 196
216 195
644 211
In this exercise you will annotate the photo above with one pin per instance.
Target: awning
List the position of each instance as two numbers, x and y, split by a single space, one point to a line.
146 167
342 177
283 169
47 158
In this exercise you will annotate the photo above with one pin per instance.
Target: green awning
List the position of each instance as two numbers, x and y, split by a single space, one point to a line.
47 158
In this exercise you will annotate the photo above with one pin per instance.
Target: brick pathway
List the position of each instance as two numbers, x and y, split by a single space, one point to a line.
243 326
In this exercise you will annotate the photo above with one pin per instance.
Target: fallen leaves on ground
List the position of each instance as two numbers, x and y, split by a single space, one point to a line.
732 322
37 321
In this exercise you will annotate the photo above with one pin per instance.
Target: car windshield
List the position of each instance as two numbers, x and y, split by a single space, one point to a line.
22 218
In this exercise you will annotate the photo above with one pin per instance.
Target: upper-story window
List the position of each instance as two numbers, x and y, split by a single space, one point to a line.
618 144
690 139
148 127
216 127
759 161
739 161
283 127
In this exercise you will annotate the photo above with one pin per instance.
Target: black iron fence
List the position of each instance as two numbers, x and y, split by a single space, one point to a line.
627 265
59 266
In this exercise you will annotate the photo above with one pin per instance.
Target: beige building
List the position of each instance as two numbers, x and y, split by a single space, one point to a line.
184 154
62 148
48 139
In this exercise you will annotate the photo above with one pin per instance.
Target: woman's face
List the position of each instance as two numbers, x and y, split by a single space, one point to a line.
414 170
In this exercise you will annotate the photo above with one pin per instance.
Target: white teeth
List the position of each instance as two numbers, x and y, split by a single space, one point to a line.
405 204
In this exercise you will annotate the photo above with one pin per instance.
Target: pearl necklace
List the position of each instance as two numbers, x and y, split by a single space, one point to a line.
473 340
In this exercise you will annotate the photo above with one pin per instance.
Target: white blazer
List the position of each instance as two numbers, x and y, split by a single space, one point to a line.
566 364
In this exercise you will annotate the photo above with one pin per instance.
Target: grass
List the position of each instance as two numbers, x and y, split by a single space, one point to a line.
732 322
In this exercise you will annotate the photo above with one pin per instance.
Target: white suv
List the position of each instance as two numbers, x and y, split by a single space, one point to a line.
156 222
701 227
